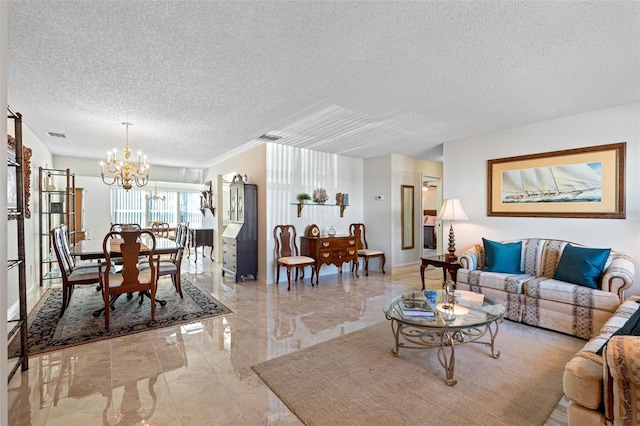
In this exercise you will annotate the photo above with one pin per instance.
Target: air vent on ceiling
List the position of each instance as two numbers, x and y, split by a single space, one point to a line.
268 137
57 135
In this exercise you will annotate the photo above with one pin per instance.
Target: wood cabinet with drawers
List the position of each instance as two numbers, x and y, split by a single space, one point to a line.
330 250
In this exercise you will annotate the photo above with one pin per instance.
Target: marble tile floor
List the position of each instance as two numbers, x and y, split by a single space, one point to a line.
200 374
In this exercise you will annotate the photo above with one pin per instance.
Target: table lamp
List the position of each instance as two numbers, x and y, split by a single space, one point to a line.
452 210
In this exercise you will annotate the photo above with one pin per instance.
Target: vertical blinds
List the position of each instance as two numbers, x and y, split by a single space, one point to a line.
177 207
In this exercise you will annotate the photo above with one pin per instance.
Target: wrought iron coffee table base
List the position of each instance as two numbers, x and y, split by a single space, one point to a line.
445 340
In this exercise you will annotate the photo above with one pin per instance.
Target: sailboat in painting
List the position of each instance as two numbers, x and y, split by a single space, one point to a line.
565 183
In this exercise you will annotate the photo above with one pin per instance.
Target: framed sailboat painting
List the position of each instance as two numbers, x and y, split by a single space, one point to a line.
580 183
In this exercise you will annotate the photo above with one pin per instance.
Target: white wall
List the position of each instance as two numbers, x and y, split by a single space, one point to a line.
378 214
293 170
384 176
465 177
281 172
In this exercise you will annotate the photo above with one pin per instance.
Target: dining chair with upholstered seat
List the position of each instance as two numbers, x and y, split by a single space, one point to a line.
160 229
286 250
71 277
75 265
360 232
172 265
118 227
131 279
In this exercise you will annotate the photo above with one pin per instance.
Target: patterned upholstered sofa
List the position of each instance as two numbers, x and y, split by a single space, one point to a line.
605 389
536 298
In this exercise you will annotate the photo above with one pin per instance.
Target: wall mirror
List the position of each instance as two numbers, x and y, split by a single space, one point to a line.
407 221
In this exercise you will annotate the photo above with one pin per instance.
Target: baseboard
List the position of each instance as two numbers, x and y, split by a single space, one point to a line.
411 267
14 310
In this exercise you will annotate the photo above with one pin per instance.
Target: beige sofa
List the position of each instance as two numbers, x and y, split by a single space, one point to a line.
535 298
606 389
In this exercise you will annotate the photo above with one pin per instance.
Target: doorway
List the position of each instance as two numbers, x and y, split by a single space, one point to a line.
431 201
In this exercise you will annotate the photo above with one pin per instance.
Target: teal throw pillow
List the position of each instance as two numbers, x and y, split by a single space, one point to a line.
501 257
582 265
630 328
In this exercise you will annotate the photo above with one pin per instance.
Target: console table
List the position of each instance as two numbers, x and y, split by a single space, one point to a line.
199 237
330 250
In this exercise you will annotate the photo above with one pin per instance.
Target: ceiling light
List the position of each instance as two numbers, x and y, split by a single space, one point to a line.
155 196
124 172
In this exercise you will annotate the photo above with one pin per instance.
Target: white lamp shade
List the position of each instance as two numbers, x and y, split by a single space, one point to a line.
452 210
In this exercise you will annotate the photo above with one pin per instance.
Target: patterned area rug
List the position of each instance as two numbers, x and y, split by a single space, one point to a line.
48 332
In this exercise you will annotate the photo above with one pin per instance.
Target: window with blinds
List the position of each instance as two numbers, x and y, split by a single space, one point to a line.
177 207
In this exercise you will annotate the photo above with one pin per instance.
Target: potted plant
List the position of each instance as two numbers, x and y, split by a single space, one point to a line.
303 198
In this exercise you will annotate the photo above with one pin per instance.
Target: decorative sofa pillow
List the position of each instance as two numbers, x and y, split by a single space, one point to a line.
429 220
582 265
502 257
630 328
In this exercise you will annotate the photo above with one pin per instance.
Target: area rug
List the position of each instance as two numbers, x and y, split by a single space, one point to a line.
47 332
356 380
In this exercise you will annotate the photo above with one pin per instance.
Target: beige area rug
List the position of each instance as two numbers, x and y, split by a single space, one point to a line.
356 380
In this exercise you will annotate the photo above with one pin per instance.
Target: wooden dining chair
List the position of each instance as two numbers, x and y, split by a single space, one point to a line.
131 279
71 259
118 227
360 232
172 265
286 250
160 229
70 277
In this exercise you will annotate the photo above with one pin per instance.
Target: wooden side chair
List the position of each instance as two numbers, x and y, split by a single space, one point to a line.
286 251
70 277
172 265
72 260
360 232
160 229
131 279
116 228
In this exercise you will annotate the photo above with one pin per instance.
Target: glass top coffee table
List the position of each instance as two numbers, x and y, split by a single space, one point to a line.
472 318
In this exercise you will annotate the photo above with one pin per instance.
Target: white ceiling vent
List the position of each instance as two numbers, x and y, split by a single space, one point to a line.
268 137
57 135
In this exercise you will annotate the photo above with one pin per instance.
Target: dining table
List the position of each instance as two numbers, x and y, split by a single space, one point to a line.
92 249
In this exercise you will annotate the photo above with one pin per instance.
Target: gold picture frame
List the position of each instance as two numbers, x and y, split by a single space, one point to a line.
575 183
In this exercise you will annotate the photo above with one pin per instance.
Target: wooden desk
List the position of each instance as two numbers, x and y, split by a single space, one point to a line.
331 250
445 262
199 237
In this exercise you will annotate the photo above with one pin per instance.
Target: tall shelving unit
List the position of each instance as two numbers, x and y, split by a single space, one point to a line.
57 189
18 324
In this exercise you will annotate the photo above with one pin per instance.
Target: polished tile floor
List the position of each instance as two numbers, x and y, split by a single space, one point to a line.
200 374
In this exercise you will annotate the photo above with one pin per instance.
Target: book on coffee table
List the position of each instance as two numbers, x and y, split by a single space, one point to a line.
416 308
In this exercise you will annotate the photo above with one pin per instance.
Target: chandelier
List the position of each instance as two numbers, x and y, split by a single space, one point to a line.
123 172
155 196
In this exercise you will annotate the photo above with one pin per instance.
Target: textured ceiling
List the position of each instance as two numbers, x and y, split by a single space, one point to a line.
201 79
